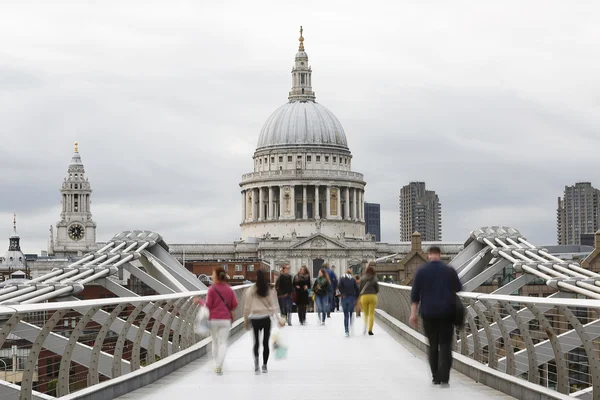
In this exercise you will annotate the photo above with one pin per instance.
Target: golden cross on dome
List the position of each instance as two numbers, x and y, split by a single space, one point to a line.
301 39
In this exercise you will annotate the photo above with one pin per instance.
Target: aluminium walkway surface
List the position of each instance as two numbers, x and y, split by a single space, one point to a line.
321 364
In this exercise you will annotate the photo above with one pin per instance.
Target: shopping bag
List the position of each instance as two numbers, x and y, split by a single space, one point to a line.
201 323
279 344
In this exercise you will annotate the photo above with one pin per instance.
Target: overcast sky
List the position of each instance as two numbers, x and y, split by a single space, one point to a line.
496 106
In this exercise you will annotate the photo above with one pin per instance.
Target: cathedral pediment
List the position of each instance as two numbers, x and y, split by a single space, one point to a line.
318 241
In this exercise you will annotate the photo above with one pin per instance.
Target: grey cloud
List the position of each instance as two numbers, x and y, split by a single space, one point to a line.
496 113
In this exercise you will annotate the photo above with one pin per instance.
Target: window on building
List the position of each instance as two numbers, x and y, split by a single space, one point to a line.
318 158
308 158
334 159
238 268
225 267
260 161
299 157
250 268
266 160
289 158
280 158
326 158
272 160
302 79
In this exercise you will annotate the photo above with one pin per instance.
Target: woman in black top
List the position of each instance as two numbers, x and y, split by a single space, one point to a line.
301 285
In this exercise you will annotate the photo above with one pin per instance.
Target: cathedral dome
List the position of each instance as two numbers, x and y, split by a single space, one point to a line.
302 123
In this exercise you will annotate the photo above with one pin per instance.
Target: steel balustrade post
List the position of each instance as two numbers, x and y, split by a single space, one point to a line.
187 325
36 348
65 361
164 347
8 327
533 374
492 357
118 354
150 355
137 344
477 349
562 373
588 346
94 359
508 346
180 323
191 334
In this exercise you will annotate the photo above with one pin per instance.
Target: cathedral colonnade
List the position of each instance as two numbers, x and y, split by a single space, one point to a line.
304 201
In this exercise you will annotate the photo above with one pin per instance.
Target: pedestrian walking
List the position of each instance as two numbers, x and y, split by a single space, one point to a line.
285 289
434 292
349 292
259 307
221 302
357 306
301 286
321 290
369 287
333 287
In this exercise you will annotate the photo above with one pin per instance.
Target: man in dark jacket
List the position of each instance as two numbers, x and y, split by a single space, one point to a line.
285 288
332 289
434 287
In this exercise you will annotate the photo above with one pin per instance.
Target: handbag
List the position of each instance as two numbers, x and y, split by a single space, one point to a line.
224 302
295 296
459 313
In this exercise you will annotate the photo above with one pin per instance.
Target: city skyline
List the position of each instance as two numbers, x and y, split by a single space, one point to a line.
165 133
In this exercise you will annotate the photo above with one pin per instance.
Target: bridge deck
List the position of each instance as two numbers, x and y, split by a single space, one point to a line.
321 364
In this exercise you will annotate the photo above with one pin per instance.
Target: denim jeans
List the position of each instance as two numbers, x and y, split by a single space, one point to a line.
348 303
330 302
322 307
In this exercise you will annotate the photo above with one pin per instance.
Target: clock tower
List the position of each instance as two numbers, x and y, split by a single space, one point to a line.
76 231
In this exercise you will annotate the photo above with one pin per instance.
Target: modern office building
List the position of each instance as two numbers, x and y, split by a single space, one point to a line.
577 213
373 220
420 211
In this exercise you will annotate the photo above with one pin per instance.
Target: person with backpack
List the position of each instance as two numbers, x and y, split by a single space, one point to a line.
285 289
321 291
221 302
369 287
259 307
434 292
349 292
333 288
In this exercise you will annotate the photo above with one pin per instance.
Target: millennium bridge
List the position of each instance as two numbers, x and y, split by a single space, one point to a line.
145 347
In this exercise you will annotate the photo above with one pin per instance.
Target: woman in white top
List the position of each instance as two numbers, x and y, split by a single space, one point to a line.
258 308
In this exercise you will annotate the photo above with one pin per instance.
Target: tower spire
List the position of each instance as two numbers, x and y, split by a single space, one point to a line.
301 75
301 40
15 224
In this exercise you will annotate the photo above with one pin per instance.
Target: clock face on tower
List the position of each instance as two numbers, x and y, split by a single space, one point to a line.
76 232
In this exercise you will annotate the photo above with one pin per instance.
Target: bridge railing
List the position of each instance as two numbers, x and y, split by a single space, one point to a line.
52 349
553 342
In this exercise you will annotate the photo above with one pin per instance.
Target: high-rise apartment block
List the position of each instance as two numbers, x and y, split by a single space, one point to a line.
373 220
577 213
420 211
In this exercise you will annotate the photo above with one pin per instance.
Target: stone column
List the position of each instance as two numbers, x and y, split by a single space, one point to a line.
270 216
243 206
261 205
293 201
354 206
304 203
347 205
280 202
316 203
339 202
361 204
328 202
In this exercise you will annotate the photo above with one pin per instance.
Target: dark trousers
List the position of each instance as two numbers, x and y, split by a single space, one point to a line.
302 313
285 305
439 332
258 325
331 304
